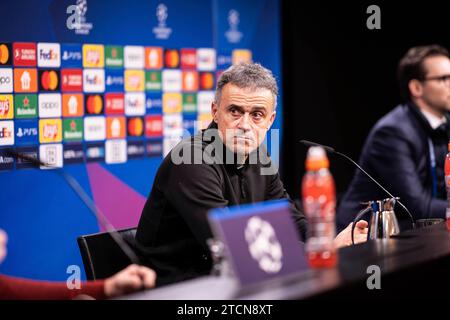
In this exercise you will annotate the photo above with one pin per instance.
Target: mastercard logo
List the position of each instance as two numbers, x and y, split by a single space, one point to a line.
4 54
94 104
49 80
135 127
206 81
171 58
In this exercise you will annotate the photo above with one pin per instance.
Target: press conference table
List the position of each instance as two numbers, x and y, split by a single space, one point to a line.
416 263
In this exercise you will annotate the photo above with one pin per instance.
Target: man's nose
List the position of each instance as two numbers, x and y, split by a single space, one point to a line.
244 122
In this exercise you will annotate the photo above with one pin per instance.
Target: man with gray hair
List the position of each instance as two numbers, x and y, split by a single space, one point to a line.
220 166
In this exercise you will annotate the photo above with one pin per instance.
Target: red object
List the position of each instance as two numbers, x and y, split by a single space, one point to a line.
447 182
189 59
153 126
115 103
71 80
24 54
12 288
319 203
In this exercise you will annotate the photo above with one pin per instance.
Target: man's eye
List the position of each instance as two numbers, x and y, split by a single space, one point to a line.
258 115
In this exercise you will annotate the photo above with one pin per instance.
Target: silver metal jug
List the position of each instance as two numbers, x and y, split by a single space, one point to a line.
383 222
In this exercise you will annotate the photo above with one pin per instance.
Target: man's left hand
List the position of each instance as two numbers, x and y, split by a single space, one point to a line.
344 238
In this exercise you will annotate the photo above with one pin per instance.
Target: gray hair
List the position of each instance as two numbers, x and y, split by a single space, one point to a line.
247 75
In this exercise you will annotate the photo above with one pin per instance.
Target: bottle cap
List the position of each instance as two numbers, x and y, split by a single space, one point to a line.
316 159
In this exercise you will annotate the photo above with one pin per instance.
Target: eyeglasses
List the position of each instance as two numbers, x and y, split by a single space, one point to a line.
442 79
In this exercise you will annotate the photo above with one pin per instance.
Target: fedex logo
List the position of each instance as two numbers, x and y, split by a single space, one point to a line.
6 133
49 55
94 80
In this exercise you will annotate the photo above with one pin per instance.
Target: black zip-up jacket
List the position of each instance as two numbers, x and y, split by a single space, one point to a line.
173 228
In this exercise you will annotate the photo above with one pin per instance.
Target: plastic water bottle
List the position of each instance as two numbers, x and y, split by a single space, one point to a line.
447 183
319 204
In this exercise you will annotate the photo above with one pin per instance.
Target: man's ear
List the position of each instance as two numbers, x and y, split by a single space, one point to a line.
214 109
272 119
415 88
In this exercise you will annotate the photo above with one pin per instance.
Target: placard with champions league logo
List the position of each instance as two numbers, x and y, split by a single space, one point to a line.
105 90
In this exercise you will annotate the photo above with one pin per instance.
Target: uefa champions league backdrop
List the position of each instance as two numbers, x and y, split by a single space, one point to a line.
102 90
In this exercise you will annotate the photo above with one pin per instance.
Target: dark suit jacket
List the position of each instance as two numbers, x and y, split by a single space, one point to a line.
397 154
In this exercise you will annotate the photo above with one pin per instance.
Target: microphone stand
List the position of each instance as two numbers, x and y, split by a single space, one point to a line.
79 191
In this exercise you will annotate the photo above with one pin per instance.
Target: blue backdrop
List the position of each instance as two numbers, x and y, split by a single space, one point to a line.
39 211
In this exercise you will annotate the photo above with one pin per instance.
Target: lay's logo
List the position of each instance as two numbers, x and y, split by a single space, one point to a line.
134 80
93 56
6 106
50 130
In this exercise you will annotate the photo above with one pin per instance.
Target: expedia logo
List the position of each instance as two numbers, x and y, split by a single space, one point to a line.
48 80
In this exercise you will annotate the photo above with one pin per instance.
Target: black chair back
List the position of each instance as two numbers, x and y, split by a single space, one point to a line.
101 255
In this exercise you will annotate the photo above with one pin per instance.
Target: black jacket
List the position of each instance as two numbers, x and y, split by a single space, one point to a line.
397 154
173 228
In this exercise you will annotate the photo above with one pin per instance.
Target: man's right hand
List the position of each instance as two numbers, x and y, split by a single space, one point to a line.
130 279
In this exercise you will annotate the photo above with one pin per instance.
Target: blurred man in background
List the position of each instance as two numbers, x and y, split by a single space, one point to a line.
406 149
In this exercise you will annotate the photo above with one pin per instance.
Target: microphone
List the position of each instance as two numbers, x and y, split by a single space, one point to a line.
79 191
333 151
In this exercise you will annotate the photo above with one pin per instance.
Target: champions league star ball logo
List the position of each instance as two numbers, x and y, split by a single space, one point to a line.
233 34
161 14
77 19
162 31
263 245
